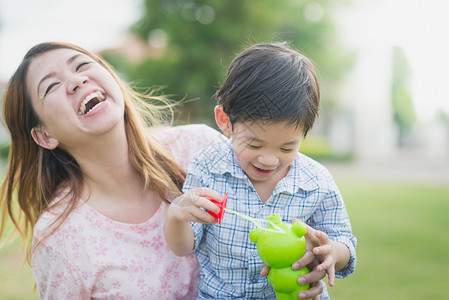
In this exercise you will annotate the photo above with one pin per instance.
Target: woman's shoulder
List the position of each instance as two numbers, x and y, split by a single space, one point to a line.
183 142
184 132
59 216
53 221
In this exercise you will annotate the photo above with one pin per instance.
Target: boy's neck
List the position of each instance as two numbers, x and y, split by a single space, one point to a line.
264 189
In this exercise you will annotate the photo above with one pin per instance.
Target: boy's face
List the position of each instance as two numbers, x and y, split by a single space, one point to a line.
265 150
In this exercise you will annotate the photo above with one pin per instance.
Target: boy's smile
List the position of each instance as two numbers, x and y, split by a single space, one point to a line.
262 172
265 150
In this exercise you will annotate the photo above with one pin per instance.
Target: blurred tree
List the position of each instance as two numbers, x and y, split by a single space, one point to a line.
404 113
191 43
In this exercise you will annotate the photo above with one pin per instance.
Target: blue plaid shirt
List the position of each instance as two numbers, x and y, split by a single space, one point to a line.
229 264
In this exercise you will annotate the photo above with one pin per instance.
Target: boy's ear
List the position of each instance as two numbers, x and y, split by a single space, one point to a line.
222 120
43 139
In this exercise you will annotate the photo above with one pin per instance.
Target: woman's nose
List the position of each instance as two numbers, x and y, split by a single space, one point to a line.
76 82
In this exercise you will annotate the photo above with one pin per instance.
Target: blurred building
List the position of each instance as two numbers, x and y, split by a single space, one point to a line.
366 94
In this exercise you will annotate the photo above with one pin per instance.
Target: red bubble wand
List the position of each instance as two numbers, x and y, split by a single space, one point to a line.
258 222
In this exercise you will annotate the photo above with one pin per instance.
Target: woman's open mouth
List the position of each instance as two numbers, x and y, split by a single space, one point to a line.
90 102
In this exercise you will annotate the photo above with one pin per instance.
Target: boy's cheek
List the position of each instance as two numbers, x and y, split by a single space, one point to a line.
243 154
287 161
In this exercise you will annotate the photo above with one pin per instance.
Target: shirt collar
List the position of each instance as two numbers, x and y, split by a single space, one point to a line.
298 177
225 161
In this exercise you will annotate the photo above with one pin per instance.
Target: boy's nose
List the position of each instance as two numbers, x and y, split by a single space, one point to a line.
268 160
76 82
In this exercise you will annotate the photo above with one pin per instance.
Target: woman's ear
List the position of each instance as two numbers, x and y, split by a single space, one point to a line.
222 120
43 139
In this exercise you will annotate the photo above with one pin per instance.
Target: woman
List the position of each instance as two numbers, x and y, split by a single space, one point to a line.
91 181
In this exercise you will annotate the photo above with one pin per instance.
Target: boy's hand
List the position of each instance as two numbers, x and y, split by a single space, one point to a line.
308 259
323 249
313 278
327 255
188 207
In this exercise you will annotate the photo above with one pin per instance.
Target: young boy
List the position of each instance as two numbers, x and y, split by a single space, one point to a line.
267 104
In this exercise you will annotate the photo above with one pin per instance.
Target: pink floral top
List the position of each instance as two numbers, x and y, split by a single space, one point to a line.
93 257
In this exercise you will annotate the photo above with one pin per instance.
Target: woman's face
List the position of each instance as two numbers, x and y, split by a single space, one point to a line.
75 97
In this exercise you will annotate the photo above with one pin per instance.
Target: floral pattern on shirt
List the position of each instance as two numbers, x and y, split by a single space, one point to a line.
93 257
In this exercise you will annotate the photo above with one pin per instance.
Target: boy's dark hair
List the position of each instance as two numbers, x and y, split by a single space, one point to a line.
271 82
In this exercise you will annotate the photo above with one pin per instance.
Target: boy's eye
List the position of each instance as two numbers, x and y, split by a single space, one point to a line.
254 146
81 65
50 87
286 150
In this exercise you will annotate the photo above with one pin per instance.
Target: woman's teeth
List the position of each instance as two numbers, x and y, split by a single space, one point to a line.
90 102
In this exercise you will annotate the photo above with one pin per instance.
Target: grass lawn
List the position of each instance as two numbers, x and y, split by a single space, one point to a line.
16 277
403 245
403 241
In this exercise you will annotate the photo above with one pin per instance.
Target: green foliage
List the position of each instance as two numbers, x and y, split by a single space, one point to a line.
404 113
4 151
318 148
203 36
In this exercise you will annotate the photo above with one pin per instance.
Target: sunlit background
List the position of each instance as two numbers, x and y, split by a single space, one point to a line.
382 65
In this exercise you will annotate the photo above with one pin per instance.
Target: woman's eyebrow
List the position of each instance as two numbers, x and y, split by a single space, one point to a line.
43 79
69 61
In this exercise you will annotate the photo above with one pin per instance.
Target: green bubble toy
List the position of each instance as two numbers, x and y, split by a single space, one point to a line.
280 249
279 245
